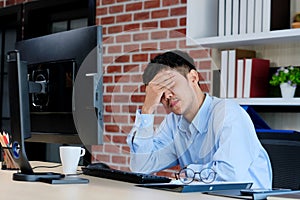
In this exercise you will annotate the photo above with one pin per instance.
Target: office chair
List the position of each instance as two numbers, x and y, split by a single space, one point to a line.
284 153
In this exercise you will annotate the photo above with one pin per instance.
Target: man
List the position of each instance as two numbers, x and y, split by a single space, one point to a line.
199 132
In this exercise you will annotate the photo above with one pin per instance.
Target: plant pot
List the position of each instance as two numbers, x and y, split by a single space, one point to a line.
296 25
287 91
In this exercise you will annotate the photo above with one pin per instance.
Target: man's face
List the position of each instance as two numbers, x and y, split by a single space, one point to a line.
179 98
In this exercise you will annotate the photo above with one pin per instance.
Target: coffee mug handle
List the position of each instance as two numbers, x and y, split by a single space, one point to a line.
82 152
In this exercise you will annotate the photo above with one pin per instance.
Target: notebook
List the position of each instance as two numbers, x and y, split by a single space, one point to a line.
198 187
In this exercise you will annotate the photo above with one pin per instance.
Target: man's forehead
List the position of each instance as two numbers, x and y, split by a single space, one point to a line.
151 70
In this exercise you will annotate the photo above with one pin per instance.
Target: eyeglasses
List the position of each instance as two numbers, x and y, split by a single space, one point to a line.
187 175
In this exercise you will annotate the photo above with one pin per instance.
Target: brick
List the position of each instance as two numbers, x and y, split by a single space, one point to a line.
107 2
107 119
113 108
129 88
112 128
205 64
124 18
140 36
182 21
98 148
182 44
168 45
121 98
123 38
108 59
169 2
153 25
142 88
111 89
149 46
119 159
141 16
129 108
131 68
152 4
160 13
123 58
114 29
108 40
205 87
114 49
120 119
132 27
122 78
136 78
101 11
134 6
169 23
199 53
107 79
101 158
119 139
107 20
131 47
107 98
140 58
116 9
178 11
178 33
126 149
137 98
110 148
113 69
159 35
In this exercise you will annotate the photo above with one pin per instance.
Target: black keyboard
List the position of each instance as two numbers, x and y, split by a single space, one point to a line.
125 176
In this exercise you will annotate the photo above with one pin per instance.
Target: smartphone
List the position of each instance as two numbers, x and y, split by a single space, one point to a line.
253 191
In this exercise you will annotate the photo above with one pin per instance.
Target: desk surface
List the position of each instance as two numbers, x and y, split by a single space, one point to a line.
97 188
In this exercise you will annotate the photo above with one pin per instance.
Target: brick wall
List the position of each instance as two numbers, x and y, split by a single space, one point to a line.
133 33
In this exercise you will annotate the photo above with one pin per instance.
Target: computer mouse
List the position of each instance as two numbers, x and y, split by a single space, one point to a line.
99 165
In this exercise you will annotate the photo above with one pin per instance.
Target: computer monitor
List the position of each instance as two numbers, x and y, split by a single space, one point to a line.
65 65
68 66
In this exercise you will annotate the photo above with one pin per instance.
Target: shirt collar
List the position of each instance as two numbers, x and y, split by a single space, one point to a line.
200 121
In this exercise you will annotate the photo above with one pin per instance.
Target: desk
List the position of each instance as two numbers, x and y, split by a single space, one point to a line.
98 188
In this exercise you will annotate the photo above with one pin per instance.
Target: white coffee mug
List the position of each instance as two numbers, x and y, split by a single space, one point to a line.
69 156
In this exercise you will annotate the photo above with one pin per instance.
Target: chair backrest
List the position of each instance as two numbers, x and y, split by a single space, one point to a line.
284 153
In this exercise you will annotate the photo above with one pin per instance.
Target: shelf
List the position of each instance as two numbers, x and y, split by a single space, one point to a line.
280 36
269 101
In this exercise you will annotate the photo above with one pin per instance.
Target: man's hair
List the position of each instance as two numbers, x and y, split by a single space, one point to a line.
171 59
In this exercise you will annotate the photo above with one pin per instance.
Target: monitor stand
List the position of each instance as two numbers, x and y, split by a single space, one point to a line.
37 176
20 124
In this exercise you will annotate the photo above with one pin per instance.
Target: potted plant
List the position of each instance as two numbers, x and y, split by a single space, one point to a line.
287 78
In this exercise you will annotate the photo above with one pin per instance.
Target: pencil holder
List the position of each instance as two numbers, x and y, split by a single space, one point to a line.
8 162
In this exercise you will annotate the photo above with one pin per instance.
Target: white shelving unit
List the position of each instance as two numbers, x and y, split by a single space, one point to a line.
202 29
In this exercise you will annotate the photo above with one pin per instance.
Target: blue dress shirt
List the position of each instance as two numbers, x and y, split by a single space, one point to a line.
221 136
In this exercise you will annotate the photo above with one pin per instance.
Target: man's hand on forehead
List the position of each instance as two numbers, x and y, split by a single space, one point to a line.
164 79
